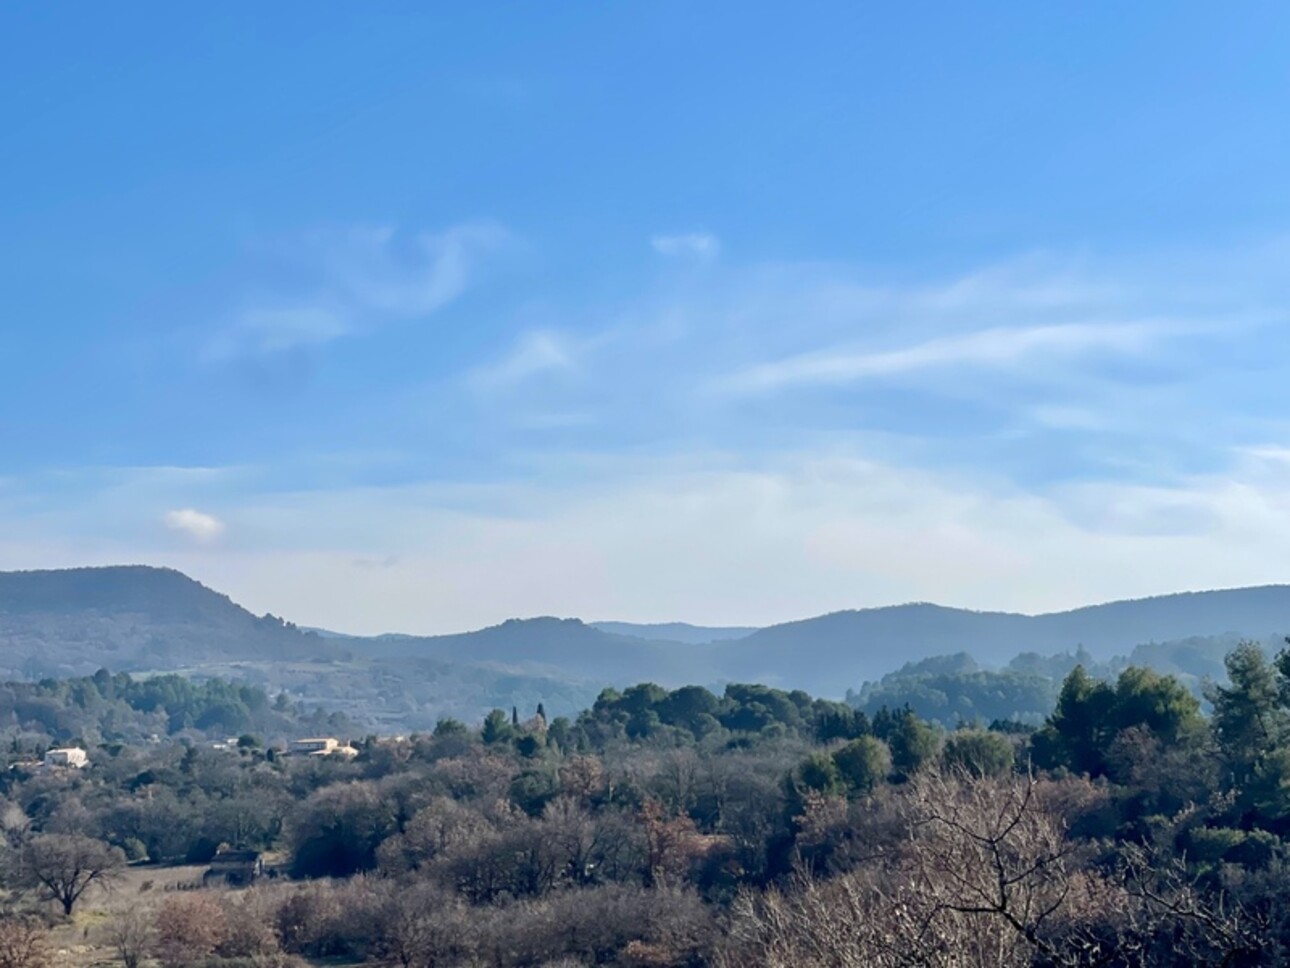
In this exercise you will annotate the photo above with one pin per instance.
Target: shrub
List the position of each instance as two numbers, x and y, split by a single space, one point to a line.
188 929
23 943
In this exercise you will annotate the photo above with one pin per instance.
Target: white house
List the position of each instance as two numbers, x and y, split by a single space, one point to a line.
320 746
69 756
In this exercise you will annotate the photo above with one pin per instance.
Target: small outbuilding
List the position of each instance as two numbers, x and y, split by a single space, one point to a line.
234 867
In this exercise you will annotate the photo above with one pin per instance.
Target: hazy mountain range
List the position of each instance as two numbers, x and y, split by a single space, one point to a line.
138 618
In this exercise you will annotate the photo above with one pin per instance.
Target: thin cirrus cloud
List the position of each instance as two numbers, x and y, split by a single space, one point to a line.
263 332
992 347
359 279
195 525
535 352
693 245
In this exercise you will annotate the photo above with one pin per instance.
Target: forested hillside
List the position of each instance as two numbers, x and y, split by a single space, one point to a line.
568 647
55 623
857 646
956 689
116 709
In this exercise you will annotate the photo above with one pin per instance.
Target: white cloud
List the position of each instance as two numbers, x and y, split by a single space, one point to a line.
693 245
262 332
537 351
367 273
995 347
359 279
197 525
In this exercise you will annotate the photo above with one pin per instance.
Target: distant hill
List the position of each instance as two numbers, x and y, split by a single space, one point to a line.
831 653
131 619
826 654
567 646
676 631
59 624
72 622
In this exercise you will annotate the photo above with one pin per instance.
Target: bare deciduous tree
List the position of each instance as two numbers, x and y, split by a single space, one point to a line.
421 926
438 827
582 777
978 876
130 935
64 866
986 860
575 836
188 928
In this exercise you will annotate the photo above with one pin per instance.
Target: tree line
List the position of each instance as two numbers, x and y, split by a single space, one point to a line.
108 708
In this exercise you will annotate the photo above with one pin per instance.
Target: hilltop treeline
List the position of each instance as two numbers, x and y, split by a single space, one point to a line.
955 689
107 708
755 827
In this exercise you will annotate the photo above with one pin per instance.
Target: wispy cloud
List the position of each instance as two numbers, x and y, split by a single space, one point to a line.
262 332
1042 368
535 352
356 280
994 347
949 420
692 245
196 525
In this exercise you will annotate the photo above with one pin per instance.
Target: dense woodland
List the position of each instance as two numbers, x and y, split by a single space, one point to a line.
955 689
116 709
1137 825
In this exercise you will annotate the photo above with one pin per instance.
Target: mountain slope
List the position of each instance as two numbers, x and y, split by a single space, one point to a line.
131 617
566 646
831 652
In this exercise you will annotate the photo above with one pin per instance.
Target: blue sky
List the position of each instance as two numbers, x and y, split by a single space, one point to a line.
389 317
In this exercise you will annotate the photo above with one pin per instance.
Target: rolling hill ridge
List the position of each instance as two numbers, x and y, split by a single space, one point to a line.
854 646
134 618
